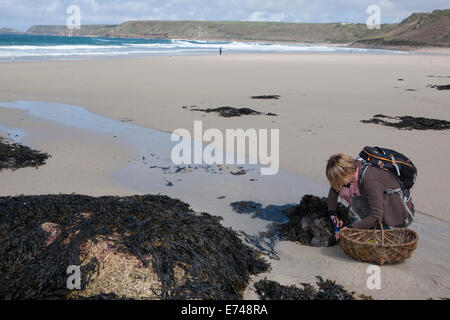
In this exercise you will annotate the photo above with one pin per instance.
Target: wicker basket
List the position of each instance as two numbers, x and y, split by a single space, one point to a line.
378 246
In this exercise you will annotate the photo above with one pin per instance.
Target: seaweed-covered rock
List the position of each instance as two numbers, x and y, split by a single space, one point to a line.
409 122
309 223
15 155
327 290
139 247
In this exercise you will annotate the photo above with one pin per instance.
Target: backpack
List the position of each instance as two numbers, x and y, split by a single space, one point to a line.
400 166
397 163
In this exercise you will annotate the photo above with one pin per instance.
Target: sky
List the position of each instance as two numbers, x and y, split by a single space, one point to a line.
21 14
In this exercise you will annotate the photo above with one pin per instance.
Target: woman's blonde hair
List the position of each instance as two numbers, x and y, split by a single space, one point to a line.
339 167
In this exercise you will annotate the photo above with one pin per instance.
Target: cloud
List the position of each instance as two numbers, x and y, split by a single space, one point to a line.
23 13
53 7
264 16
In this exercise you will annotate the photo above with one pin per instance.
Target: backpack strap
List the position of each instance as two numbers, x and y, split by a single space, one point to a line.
364 166
392 191
405 197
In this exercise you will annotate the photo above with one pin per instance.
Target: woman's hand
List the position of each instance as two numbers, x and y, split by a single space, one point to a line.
337 226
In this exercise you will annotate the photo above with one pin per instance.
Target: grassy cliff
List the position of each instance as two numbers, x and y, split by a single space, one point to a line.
85 30
8 31
431 29
247 31
419 29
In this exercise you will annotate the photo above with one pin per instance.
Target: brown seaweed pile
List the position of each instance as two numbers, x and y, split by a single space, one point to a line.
269 96
15 156
139 247
228 112
328 290
409 122
310 224
440 87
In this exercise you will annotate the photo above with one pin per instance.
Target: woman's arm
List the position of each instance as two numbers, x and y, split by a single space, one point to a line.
332 202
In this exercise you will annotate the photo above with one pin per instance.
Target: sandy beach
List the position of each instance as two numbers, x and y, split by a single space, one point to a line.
323 99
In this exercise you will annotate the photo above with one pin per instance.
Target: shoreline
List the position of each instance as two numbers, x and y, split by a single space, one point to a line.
195 48
419 49
385 51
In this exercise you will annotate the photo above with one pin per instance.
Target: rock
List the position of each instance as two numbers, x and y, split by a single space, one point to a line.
306 223
53 230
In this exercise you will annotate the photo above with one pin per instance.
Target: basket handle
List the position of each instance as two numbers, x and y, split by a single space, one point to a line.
382 230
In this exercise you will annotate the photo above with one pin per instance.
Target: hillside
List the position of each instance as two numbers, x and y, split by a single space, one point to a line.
223 30
247 31
85 30
8 31
419 29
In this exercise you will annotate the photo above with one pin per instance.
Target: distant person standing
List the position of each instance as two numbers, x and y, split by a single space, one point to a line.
220 50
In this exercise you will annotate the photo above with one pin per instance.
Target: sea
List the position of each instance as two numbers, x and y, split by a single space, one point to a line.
46 47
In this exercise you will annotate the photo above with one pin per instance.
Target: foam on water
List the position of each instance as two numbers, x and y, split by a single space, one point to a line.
25 47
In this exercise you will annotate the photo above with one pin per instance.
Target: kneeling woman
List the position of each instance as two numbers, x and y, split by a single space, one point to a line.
369 202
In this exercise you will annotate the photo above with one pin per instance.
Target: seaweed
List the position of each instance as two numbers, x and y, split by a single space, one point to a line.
440 87
263 243
271 96
327 290
15 155
409 122
228 111
309 223
138 247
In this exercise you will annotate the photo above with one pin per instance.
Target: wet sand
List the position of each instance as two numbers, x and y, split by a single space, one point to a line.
323 98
